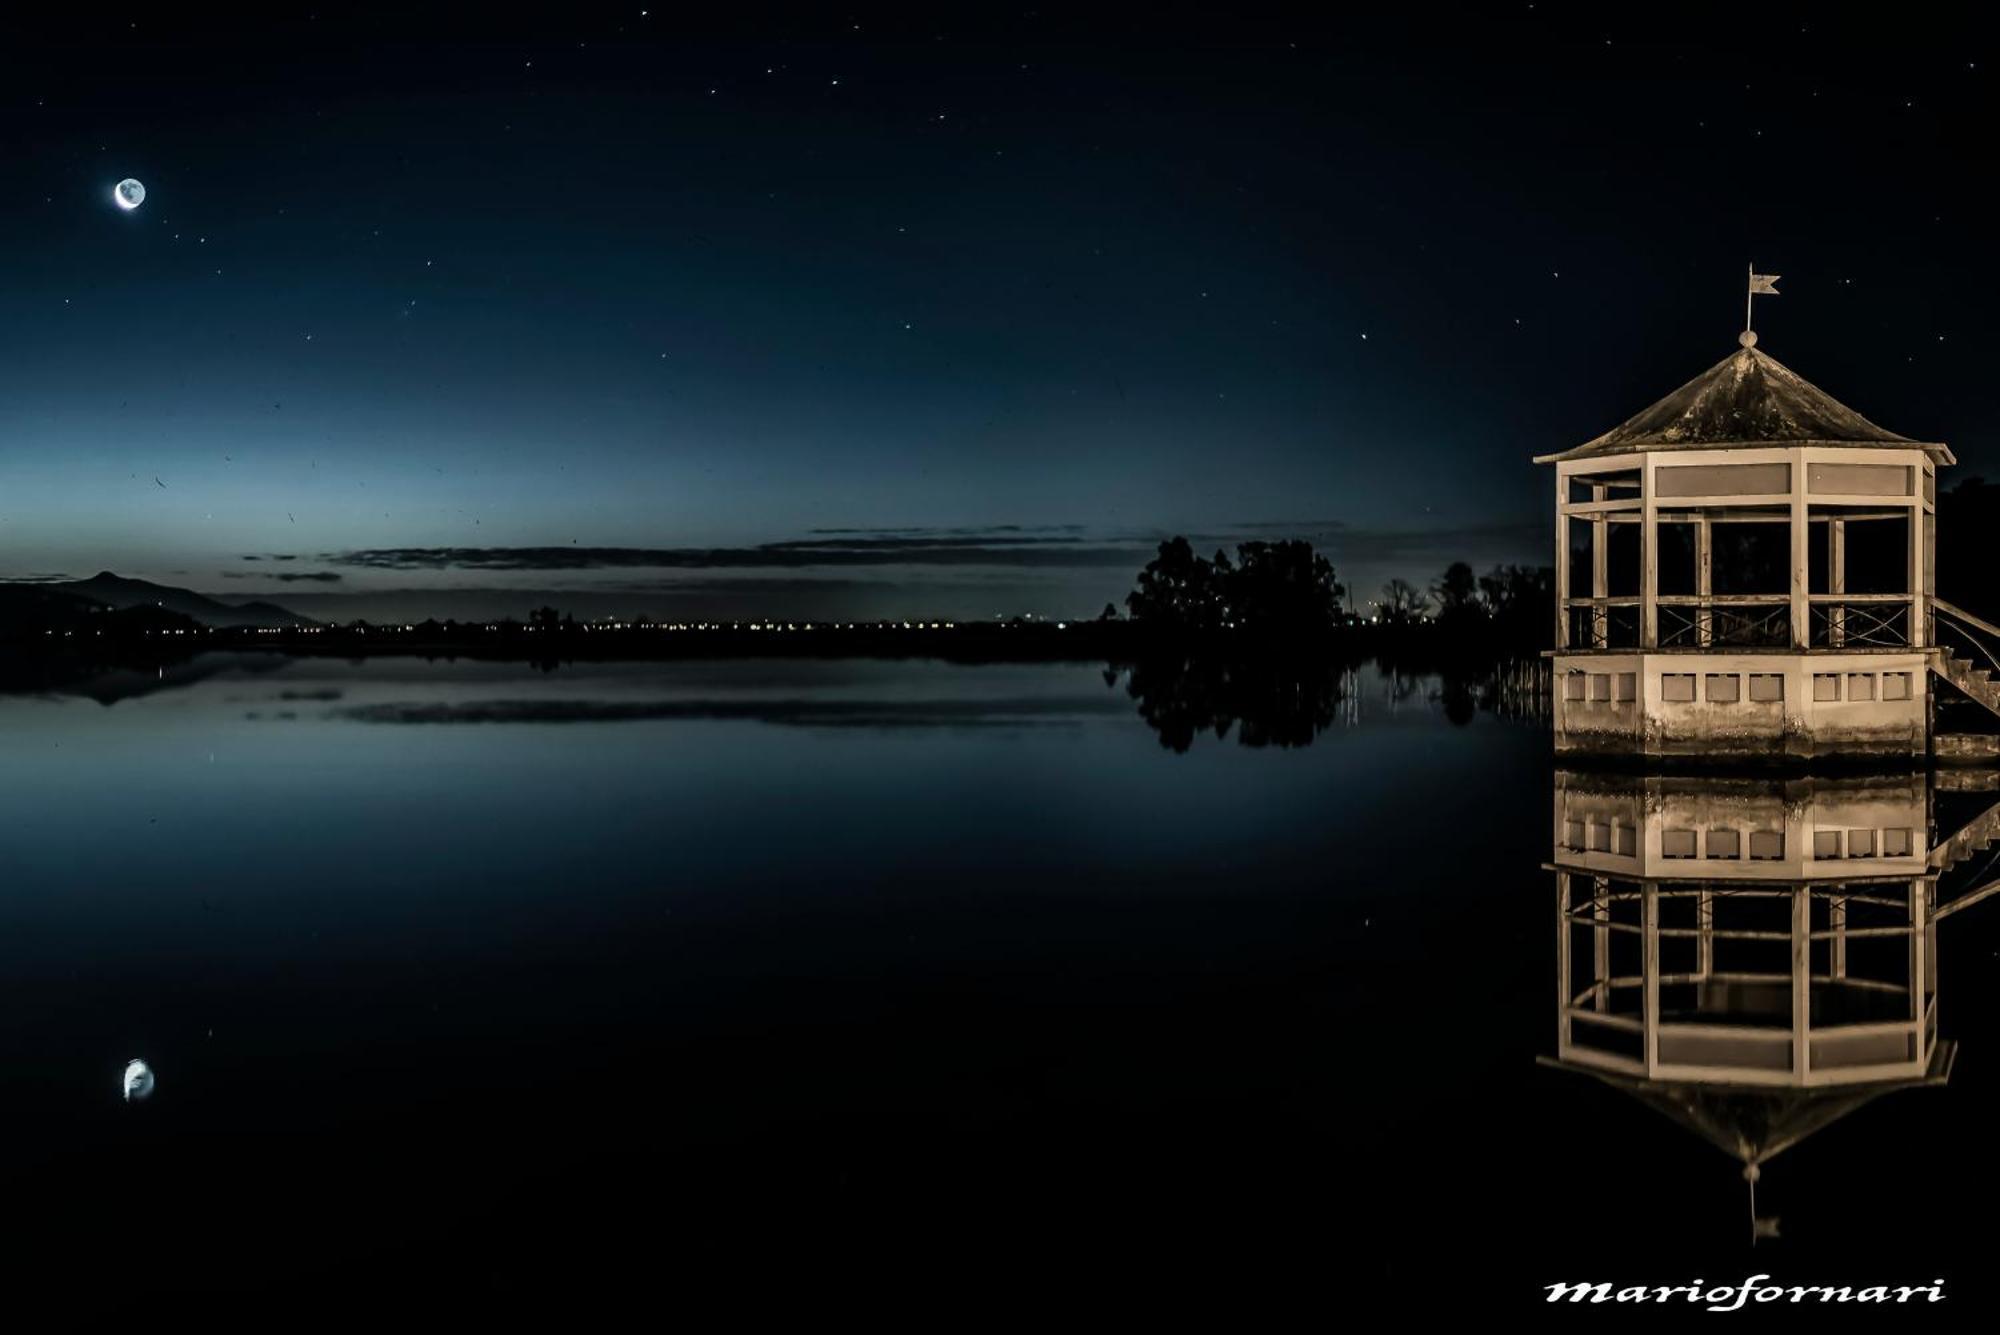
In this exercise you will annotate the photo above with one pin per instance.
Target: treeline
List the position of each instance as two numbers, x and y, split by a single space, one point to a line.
1287 591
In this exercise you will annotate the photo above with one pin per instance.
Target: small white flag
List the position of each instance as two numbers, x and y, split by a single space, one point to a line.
1765 284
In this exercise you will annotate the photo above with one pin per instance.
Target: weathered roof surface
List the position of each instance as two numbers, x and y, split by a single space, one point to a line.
1756 1124
1747 398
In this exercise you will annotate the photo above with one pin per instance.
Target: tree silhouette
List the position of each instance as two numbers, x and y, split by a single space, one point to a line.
1402 604
1282 586
1178 590
1271 587
1521 602
1456 592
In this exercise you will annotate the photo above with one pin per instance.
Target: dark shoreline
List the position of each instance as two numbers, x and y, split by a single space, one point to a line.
978 642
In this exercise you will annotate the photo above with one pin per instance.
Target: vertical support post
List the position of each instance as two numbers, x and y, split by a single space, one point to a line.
1919 604
1918 957
1562 557
1563 989
1600 942
1926 889
1801 984
1836 578
1649 558
1801 601
1704 579
1704 941
1650 920
1600 571
1836 910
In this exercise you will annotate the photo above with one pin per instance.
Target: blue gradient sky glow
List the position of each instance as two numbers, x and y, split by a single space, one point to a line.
593 279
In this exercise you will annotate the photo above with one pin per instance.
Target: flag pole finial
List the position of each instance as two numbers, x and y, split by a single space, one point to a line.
1765 284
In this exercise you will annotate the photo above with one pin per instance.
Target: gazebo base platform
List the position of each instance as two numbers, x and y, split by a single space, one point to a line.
1744 704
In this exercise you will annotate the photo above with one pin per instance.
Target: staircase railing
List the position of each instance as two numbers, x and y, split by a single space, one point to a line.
1964 624
1966 900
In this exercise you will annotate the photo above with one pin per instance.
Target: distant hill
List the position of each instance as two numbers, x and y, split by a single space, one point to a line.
41 606
115 591
31 613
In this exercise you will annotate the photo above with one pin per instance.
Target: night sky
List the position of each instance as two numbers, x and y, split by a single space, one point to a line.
845 313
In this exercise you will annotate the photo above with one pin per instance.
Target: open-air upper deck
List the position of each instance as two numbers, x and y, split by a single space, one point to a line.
1747 568
1746 510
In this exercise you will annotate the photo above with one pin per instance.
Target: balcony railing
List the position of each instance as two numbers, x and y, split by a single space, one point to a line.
1860 622
1603 623
1739 621
1687 623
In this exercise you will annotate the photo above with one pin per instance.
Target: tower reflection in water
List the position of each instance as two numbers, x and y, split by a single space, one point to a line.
1756 958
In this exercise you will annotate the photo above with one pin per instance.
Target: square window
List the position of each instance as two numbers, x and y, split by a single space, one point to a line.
1826 843
1626 838
1861 843
1895 843
1725 844
1766 687
1895 685
1573 686
1573 834
1628 687
1600 837
1600 686
1724 688
1676 843
1767 845
1861 686
1826 686
1677 688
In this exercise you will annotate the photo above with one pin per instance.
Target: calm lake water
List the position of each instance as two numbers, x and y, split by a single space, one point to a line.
942 989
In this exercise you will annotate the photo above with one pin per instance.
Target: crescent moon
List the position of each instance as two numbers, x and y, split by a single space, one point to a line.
128 194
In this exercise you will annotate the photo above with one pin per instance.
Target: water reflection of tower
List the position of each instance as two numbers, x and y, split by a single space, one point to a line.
1757 958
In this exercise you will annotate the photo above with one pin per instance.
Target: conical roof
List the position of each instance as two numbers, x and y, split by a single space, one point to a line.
1747 398
1756 1123
1750 1124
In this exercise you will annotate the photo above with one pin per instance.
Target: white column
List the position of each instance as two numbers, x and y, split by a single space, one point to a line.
1801 602
1704 577
1801 983
1650 921
1704 921
1562 558
1564 989
1837 921
1649 558
1600 941
1600 570
1918 602
1600 545
1917 953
